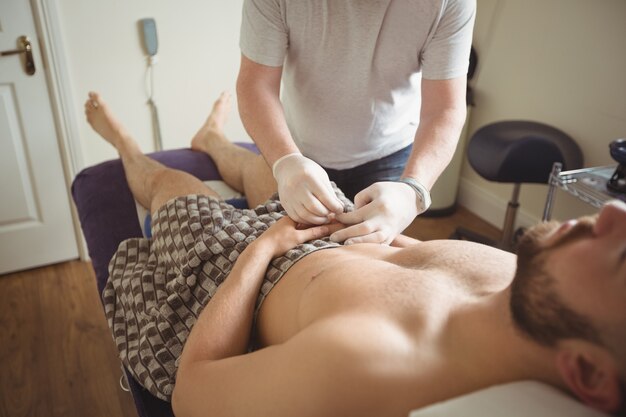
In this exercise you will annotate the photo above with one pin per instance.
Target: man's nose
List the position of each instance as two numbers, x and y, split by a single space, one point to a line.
612 217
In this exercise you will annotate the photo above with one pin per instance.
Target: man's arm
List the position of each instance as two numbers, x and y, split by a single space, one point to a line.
441 121
221 335
303 186
336 367
262 114
385 209
223 327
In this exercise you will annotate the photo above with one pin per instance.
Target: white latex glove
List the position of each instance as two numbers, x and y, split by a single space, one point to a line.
382 211
304 189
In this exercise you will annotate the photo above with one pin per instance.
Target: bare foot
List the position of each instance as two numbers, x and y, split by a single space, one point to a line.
213 127
104 123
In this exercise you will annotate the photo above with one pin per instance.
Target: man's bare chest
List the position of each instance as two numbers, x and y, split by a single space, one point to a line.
335 282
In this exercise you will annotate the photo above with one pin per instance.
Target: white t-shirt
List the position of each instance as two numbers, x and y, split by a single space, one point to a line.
352 69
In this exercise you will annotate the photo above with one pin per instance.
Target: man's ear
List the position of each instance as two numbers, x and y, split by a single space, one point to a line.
591 374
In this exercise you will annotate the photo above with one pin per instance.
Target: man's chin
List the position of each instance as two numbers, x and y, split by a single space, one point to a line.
533 239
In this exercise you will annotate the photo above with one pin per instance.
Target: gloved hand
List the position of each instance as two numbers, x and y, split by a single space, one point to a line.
382 211
304 190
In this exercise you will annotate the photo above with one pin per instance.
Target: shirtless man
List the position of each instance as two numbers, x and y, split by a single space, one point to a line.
375 330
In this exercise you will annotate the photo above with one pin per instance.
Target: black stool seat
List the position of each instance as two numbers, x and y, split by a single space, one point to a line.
519 151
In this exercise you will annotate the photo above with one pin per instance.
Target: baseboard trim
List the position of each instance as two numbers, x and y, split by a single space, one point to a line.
490 207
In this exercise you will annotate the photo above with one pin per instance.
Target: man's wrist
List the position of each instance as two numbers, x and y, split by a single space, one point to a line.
281 159
423 195
261 248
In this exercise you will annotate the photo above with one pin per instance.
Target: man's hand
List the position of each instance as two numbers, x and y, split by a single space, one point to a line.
285 234
382 211
304 189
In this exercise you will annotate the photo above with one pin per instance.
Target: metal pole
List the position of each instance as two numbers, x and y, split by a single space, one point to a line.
509 219
156 126
552 182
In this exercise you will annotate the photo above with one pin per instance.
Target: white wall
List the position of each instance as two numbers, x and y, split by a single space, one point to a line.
561 62
198 58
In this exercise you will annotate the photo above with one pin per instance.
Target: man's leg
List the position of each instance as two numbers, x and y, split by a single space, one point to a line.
151 183
243 170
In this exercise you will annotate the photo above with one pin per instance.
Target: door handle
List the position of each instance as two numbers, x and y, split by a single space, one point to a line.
24 47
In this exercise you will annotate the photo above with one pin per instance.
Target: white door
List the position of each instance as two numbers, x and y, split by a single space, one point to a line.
35 219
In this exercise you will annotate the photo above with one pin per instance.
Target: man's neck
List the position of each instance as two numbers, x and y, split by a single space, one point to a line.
485 335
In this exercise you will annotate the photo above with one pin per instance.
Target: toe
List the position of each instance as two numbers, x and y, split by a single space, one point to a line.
95 99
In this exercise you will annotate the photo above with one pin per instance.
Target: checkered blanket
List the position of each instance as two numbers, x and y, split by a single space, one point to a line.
158 287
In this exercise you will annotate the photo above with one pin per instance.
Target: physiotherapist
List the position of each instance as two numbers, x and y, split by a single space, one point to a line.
373 98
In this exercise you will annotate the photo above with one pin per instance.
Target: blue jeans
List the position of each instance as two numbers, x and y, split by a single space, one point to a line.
353 180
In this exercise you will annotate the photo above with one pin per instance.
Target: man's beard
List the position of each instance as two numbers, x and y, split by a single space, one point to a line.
536 307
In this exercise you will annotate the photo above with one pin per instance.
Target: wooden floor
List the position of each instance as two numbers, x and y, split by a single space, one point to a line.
57 357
